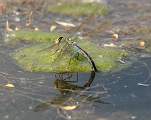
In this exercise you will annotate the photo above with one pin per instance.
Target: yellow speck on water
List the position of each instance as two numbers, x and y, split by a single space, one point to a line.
9 85
142 44
36 29
115 36
16 28
69 107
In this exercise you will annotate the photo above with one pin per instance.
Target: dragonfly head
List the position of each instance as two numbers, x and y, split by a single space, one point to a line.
59 40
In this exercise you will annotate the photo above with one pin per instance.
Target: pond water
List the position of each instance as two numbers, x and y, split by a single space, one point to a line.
123 95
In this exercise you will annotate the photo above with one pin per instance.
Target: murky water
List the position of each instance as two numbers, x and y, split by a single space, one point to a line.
123 95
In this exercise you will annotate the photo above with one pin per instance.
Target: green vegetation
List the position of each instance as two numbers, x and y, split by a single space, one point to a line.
106 58
77 9
37 59
33 59
33 36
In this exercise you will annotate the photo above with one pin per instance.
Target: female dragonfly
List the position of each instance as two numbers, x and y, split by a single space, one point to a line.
65 44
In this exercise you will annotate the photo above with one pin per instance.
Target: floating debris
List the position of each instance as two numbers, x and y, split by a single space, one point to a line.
121 61
9 85
8 29
110 45
16 28
115 36
36 29
66 24
133 117
142 44
143 84
52 28
68 108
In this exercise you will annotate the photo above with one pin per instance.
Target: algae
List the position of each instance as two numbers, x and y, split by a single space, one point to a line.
37 59
77 9
33 36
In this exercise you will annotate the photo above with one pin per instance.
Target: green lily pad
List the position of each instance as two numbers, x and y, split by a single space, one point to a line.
79 9
37 59
33 36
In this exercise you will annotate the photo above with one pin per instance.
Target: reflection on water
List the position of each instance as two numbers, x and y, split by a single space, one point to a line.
39 96
35 95
71 97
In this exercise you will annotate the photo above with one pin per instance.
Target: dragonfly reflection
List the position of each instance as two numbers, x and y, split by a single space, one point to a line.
71 97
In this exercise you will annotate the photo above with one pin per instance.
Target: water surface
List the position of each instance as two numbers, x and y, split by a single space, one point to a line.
126 94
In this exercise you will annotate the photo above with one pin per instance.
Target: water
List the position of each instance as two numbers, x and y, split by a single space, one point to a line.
124 95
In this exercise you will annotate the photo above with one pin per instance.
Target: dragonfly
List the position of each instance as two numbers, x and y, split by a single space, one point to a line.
67 45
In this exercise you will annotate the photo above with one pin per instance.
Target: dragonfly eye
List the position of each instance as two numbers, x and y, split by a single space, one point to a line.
59 40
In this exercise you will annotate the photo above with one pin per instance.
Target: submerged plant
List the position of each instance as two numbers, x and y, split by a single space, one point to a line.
77 9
